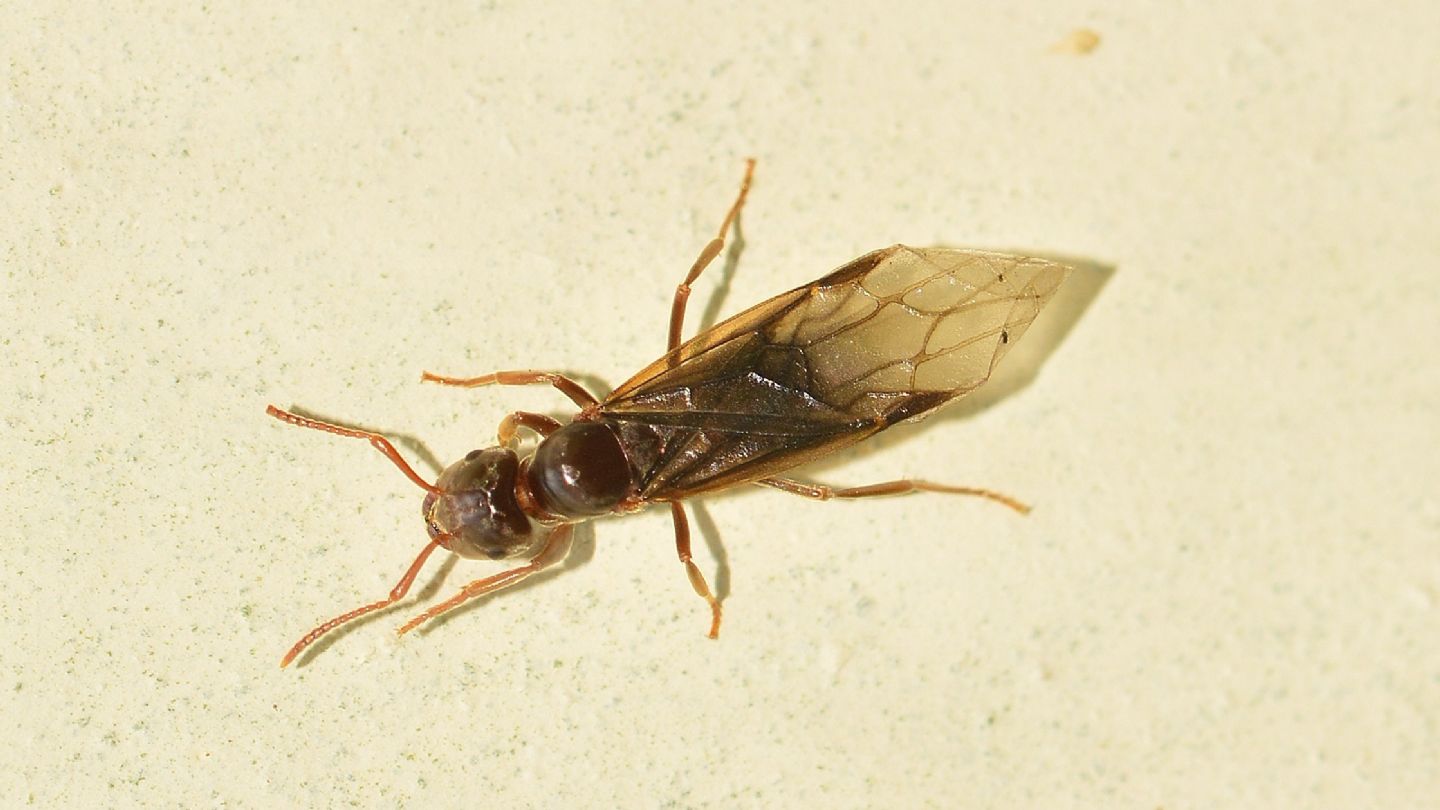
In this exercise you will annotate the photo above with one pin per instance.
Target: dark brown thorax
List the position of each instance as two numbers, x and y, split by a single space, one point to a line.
580 471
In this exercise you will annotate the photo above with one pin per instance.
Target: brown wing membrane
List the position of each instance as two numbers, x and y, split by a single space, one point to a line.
888 337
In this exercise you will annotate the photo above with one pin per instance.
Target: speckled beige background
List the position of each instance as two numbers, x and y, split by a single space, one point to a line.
1227 596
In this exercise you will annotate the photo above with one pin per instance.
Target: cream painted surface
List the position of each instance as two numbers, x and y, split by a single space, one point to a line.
1228 594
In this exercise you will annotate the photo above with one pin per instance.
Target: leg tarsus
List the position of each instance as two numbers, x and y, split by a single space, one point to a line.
904 486
697 579
707 255
396 594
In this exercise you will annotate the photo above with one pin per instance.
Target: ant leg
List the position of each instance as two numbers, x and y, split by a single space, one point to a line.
396 594
821 492
574 390
538 422
556 546
697 579
376 441
682 292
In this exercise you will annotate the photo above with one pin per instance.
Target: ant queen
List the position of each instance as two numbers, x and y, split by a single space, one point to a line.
888 337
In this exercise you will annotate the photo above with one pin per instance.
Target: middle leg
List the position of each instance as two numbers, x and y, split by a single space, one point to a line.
682 291
697 579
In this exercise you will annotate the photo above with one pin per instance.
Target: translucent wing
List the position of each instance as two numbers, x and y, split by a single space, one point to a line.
888 337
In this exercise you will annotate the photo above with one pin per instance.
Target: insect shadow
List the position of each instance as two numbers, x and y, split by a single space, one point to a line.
1023 363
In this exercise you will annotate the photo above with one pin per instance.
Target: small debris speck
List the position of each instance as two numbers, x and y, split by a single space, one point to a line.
1077 43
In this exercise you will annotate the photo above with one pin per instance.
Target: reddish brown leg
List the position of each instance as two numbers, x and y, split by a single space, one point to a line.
697 579
376 441
538 422
556 546
682 292
823 493
396 594
575 391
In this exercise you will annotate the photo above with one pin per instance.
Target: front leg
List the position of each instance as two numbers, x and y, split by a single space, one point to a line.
557 545
538 422
396 594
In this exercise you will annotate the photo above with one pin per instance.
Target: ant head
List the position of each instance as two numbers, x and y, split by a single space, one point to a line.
473 510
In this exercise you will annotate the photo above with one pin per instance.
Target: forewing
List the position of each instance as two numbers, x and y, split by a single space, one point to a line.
890 336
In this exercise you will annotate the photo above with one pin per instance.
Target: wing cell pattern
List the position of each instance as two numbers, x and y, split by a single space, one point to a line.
890 336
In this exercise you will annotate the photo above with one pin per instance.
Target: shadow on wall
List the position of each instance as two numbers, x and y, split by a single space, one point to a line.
1020 366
